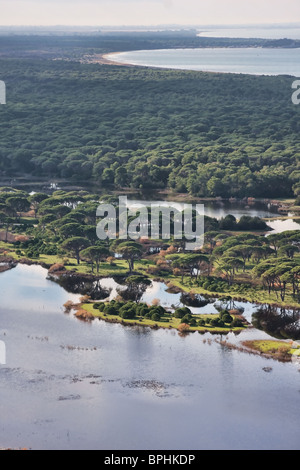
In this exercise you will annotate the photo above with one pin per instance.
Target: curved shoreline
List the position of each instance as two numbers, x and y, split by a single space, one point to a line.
83 313
105 59
102 59
93 277
276 355
281 354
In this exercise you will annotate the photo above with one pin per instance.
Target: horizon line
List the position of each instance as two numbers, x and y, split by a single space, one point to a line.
190 25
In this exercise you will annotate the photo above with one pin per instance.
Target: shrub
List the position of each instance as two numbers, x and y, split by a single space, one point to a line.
110 309
157 309
96 306
226 318
31 253
206 285
186 319
236 323
155 316
181 312
128 310
128 314
142 310
69 305
183 328
214 322
50 250
56 268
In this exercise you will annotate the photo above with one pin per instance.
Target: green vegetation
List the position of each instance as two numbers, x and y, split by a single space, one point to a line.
256 268
157 316
83 47
133 129
138 128
242 264
276 349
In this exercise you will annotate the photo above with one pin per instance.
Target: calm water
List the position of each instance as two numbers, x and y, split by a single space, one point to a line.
256 61
74 385
271 32
219 210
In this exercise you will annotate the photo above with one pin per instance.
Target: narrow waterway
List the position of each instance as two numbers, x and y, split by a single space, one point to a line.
220 209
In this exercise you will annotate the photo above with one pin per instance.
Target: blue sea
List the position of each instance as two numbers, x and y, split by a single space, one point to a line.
251 60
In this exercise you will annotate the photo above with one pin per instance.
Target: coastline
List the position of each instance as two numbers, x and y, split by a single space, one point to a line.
102 59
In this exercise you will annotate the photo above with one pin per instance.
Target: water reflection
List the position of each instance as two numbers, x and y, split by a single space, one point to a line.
27 288
103 386
278 322
237 208
218 209
83 285
275 321
279 226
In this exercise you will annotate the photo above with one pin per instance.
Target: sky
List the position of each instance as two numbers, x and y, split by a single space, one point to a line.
147 12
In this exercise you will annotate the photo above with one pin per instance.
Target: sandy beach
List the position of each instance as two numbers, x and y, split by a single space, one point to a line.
103 59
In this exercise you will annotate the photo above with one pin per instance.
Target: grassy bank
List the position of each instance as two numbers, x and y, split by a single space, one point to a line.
253 294
280 350
241 290
86 311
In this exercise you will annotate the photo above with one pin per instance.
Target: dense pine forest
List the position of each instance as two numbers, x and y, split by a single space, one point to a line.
203 134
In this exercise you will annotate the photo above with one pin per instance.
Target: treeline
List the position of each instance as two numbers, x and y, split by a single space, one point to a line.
65 223
157 313
75 46
148 129
243 262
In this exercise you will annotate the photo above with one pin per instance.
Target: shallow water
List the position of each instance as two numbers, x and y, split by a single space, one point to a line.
252 61
69 384
220 209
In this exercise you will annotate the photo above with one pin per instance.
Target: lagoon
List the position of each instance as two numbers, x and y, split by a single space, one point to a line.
253 61
69 384
220 209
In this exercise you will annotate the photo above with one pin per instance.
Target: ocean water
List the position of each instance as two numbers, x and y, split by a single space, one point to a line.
253 61
254 31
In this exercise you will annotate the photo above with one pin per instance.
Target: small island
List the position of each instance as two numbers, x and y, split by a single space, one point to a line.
155 316
283 351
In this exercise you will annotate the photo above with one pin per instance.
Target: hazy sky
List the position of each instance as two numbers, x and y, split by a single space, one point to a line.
147 12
